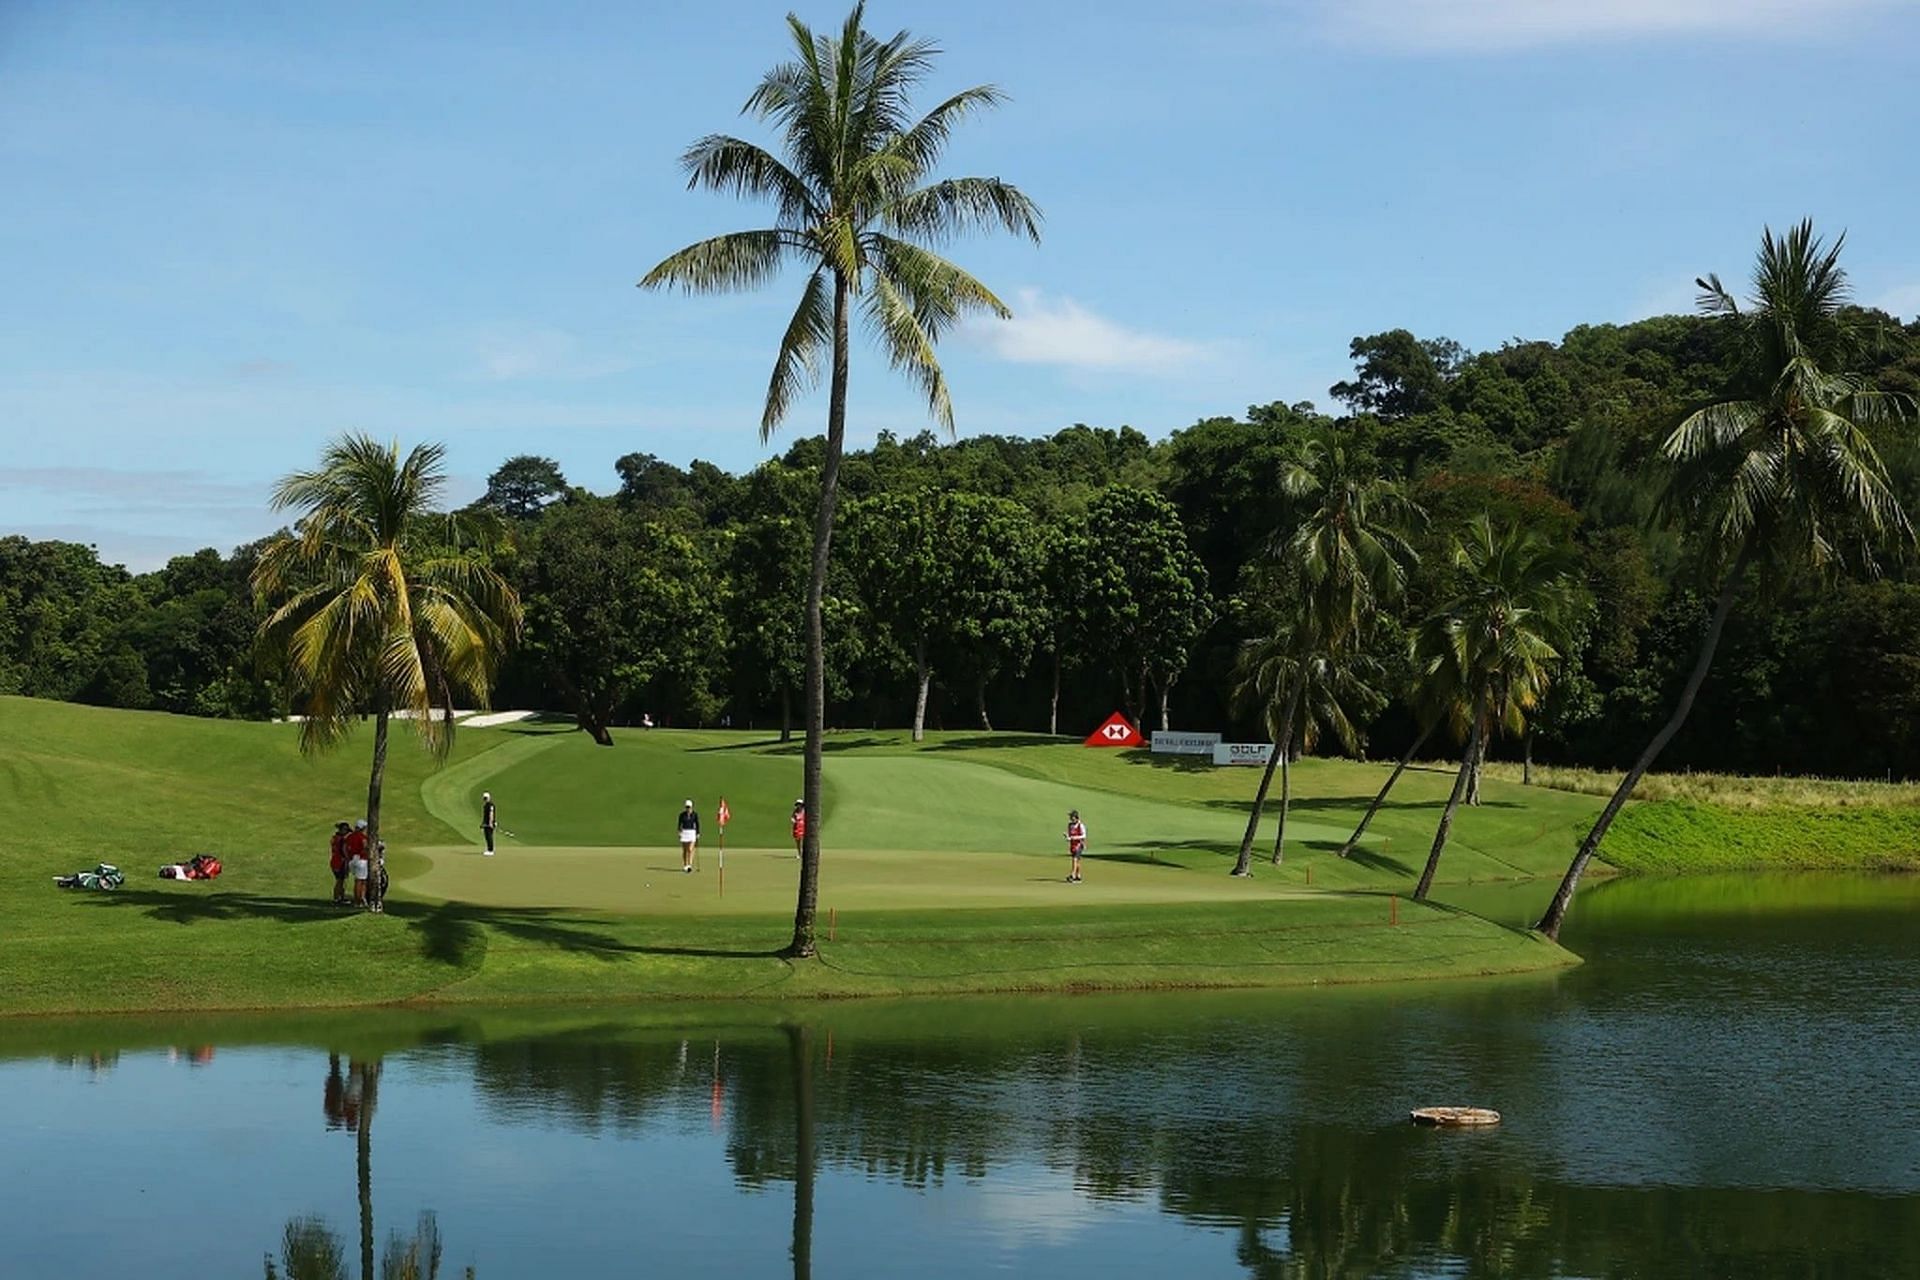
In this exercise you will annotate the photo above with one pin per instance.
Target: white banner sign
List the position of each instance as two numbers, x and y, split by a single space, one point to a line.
1243 753
1184 744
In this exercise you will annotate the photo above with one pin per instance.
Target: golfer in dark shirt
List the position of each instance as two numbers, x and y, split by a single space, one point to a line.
689 836
487 822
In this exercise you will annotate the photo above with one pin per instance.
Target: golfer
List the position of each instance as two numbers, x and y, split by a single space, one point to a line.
1076 843
337 862
358 863
487 819
689 836
799 825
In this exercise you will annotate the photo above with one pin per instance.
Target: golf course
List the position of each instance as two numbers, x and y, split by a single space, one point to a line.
943 872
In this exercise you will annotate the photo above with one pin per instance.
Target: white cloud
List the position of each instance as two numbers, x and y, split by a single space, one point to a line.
122 489
1495 25
1901 300
1059 331
544 353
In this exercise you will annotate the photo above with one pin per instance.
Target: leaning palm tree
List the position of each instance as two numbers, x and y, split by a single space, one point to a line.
855 204
1496 639
1783 475
380 606
1427 702
1301 695
1344 556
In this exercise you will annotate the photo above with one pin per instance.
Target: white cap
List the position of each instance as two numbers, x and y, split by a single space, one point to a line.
360 824
689 804
486 795
799 802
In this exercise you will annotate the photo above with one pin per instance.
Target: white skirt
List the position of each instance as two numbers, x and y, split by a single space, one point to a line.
688 837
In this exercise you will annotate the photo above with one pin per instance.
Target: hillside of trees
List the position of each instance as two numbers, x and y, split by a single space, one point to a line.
1037 584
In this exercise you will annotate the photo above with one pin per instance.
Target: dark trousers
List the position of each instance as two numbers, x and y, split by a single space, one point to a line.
489 831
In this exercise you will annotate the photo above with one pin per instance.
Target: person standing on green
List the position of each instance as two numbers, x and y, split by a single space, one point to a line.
488 819
689 836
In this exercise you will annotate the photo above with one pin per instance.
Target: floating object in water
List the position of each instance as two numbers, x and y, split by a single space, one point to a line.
1452 1117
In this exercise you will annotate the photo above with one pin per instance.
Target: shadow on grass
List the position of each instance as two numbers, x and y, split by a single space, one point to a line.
448 933
1374 860
1348 804
1164 760
797 746
991 741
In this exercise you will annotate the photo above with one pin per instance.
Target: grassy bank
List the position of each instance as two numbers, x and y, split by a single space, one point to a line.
943 874
1667 836
1690 823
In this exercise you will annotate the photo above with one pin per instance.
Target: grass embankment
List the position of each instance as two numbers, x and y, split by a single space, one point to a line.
1705 822
943 871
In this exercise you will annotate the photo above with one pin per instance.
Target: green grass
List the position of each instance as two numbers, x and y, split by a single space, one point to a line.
1725 790
1666 836
943 870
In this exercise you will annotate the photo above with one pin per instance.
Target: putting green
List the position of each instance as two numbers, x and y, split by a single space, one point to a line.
648 880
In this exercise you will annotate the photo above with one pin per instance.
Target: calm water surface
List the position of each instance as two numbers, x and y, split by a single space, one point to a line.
1730 1087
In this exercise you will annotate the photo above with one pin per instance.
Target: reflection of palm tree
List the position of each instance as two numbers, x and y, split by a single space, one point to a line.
309 1251
800 1055
366 1076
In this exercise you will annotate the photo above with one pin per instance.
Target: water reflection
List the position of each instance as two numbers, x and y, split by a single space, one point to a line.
1727 1091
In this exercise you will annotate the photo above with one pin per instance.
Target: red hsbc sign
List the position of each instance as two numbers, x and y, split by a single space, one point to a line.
1118 731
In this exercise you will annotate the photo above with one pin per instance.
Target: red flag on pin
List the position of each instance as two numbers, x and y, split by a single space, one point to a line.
725 815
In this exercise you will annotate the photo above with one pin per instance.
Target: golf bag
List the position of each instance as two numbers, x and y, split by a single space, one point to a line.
201 866
104 876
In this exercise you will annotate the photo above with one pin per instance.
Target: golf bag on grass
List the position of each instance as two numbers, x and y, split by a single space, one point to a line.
201 866
104 876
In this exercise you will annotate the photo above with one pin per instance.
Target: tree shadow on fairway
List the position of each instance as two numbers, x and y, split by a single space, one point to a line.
798 746
1165 760
991 741
449 933
1374 860
1143 859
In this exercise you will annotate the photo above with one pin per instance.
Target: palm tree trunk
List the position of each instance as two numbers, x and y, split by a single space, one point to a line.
1166 693
1286 795
374 784
1556 914
363 1162
1285 752
1421 890
1053 708
980 699
1243 864
807 900
1381 799
1478 765
1526 759
802 1065
923 676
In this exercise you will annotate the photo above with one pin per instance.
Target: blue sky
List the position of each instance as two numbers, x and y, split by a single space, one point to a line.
229 232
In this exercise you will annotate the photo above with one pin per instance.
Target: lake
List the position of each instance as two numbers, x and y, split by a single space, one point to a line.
1729 1087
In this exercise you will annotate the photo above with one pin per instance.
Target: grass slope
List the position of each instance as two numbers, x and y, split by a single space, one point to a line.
942 873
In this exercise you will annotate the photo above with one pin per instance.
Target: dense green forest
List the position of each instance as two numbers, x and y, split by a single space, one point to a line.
1040 583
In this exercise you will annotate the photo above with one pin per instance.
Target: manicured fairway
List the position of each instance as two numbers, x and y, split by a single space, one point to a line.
944 870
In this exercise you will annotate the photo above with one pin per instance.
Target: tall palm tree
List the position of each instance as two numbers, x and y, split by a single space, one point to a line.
1783 474
1344 556
1495 639
855 203
381 606
1299 696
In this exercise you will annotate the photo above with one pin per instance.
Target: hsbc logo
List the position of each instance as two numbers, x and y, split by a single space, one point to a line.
1117 731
